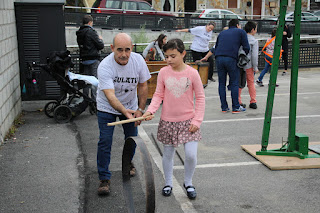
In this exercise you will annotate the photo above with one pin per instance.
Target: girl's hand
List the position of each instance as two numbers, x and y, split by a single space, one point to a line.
193 128
146 114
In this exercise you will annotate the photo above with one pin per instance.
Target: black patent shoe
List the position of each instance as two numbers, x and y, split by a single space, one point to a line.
166 191
191 195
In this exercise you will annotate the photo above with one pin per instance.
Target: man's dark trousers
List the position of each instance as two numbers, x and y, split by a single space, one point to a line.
228 65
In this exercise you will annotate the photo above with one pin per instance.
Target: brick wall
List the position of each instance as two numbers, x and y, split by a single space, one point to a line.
10 96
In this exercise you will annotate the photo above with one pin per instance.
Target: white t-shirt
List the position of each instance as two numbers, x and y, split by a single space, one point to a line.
123 79
201 39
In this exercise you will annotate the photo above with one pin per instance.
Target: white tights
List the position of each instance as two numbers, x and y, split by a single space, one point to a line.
190 163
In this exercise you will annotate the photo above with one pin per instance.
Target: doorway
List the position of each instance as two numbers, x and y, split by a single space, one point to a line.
257 4
190 5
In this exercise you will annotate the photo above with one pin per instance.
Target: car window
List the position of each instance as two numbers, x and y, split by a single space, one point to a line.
309 17
317 13
213 14
144 6
290 17
129 5
113 4
228 15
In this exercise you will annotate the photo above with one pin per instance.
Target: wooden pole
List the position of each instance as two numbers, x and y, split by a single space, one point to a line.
129 120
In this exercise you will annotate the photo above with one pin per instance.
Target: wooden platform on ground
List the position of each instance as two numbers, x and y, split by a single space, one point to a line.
282 162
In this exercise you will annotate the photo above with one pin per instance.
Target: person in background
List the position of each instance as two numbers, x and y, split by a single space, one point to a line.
90 44
286 35
157 46
151 55
200 44
268 51
226 52
180 90
252 67
120 75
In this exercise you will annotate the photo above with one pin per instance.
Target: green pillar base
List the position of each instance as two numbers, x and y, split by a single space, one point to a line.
297 148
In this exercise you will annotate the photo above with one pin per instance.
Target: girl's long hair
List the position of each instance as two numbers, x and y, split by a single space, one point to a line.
160 40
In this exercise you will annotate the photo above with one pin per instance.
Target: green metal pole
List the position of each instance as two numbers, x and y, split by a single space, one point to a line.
294 77
273 76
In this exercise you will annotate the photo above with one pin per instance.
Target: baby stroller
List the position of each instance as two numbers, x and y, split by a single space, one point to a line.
72 102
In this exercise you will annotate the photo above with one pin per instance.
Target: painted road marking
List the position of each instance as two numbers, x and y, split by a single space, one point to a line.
215 165
265 95
245 119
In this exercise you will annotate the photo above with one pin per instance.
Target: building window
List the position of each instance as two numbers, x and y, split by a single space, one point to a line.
232 3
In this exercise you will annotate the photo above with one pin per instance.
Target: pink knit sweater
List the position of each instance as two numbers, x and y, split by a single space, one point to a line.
177 91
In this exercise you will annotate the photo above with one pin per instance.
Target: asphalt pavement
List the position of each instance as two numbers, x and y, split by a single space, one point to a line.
50 167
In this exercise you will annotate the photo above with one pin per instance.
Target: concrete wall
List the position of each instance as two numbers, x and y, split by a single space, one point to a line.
10 97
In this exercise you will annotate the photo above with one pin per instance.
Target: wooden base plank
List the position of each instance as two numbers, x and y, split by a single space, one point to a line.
282 162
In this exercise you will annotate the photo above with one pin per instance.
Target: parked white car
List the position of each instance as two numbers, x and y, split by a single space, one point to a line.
215 13
316 13
305 16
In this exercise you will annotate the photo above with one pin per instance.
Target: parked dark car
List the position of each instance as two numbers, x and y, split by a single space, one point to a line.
142 13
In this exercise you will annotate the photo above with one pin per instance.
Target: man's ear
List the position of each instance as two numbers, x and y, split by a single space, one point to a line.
112 47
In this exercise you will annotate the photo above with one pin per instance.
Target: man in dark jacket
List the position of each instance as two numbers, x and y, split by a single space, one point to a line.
226 53
90 44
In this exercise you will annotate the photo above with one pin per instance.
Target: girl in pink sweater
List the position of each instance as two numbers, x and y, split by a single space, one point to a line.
181 117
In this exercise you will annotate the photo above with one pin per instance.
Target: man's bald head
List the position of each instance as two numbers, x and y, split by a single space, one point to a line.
122 48
122 37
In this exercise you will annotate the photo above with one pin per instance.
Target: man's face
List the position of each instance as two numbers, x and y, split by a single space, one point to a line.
122 49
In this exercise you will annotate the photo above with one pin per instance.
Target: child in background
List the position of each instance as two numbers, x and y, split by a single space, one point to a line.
157 45
151 55
177 85
252 67
269 48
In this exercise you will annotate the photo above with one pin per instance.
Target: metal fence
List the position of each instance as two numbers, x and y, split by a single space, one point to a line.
169 23
309 57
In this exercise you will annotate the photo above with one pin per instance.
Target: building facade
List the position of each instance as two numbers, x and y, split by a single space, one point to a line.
250 8
10 95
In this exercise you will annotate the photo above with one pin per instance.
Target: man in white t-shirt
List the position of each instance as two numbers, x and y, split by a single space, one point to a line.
119 75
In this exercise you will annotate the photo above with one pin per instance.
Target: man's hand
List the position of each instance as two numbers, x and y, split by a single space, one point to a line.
204 59
256 71
129 113
193 128
137 114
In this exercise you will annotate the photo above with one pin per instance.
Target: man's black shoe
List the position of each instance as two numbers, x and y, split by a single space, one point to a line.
211 79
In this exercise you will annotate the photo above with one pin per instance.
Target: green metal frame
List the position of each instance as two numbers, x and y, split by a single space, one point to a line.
297 145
